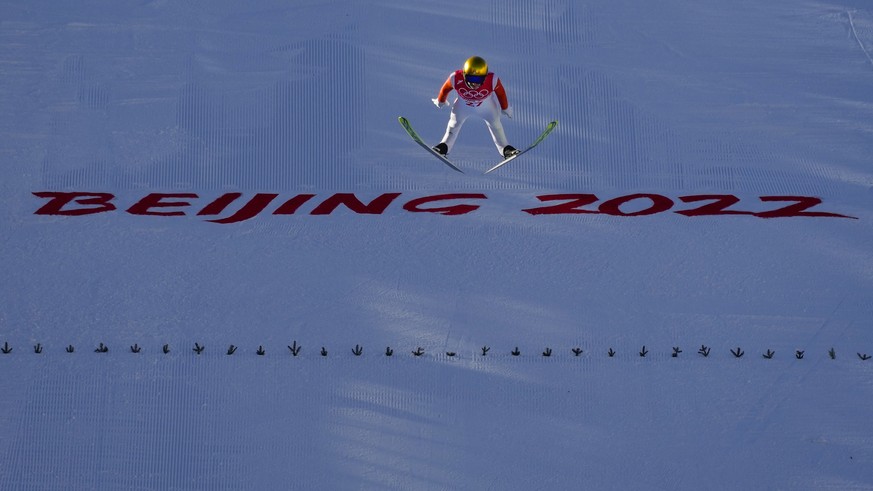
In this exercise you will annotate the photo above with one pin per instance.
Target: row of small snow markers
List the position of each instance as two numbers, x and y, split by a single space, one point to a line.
358 350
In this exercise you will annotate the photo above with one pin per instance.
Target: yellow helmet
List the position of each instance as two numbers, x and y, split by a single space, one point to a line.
476 66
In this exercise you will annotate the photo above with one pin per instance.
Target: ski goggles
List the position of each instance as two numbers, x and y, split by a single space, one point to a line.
474 79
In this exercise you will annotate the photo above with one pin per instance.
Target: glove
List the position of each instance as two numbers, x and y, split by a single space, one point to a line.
438 104
507 112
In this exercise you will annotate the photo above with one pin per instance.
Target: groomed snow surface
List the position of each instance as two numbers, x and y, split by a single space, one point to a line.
181 175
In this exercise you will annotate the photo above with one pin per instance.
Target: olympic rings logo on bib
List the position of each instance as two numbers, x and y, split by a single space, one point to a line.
473 94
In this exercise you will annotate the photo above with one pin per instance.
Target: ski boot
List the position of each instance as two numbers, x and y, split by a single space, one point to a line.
441 148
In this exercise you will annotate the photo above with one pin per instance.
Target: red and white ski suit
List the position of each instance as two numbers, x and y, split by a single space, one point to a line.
486 101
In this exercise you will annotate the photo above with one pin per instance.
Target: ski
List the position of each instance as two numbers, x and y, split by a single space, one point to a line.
536 142
408 127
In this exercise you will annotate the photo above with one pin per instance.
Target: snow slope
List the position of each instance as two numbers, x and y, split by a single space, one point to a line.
150 115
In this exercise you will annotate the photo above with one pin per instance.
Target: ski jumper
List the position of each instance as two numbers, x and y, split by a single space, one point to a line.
486 101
